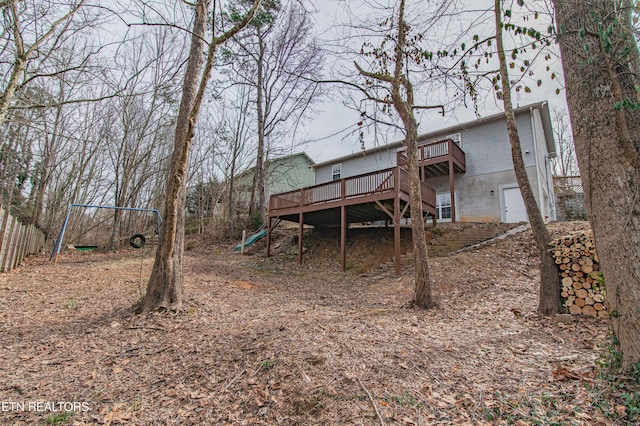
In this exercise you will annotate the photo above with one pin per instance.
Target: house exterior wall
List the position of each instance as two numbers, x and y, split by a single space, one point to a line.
486 147
359 165
294 173
281 175
489 166
543 172
479 197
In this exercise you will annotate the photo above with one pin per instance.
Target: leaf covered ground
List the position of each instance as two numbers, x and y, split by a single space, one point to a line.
267 342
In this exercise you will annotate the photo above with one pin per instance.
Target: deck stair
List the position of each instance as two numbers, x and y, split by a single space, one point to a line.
447 238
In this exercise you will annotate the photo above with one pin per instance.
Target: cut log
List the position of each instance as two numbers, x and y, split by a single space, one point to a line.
582 293
575 310
587 269
582 290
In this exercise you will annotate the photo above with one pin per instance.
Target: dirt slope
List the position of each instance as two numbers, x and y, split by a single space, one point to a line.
268 342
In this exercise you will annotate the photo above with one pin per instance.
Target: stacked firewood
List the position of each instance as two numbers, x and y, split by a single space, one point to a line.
583 290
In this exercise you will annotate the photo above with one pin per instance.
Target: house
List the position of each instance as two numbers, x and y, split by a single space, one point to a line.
466 175
281 175
483 182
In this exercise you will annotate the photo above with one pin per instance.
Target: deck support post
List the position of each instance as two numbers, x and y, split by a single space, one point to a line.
451 188
268 234
343 238
300 229
396 233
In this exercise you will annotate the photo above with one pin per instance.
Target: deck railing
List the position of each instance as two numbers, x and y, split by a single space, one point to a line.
567 185
351 187
428 194
434 151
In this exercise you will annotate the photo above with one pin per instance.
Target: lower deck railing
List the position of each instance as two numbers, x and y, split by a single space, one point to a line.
379 182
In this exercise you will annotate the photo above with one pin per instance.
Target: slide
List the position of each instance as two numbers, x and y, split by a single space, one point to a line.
252 239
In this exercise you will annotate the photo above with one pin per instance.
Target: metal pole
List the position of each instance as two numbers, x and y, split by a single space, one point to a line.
58 243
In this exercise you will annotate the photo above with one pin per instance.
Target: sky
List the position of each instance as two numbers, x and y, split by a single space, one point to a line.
333 131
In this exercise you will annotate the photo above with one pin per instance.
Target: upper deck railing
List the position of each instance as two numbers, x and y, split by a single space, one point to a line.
434 152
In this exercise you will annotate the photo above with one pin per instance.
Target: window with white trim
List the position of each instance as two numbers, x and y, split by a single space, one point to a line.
336 171
456 137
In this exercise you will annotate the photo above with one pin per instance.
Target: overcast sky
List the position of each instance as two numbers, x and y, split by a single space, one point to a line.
332 131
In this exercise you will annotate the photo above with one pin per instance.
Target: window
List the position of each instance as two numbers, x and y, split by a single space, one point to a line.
336 171
443 206
456 139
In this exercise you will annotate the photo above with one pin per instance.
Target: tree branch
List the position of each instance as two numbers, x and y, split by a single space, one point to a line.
240 25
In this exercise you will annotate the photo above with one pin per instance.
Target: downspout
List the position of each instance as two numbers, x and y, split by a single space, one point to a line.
535 157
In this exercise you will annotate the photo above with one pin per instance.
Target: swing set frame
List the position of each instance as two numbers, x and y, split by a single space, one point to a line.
58 243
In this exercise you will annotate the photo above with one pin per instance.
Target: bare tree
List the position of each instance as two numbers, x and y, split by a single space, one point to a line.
599 62
549 300
280 60
401 98
236 132
165 286
566 163
42 25
139 117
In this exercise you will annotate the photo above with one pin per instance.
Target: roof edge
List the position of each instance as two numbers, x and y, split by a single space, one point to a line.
542 105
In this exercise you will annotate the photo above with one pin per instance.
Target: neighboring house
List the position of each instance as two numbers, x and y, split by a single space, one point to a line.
477 181
281 175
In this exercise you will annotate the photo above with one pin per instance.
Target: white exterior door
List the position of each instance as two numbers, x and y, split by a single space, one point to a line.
514 209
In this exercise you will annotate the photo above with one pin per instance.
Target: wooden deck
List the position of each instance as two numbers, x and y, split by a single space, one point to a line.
375 196
367 196
438 159
441 158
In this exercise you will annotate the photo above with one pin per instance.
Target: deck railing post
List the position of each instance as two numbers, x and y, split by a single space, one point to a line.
343 188
396 180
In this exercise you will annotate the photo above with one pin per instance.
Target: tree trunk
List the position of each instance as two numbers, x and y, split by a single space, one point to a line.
404 106
231 198
604 116
422 296
165 286
258 192
549 302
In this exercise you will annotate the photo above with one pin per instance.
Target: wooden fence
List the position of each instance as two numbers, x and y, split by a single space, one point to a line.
17 241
